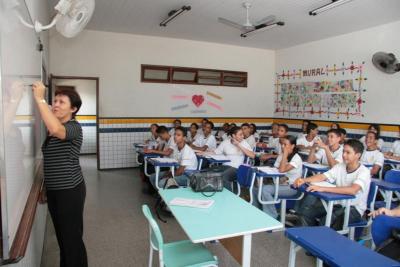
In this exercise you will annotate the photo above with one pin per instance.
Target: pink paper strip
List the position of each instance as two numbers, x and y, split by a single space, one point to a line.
180 97
211 104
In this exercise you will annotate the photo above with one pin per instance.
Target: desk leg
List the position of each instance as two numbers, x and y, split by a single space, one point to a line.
346 216
157 176
200 163
172 168
389 195
305 173
246 250
145 166
329 214
292 254
319 263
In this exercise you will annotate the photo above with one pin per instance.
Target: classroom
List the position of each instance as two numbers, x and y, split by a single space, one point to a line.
199 133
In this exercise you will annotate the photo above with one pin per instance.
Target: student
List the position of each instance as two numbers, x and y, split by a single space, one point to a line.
335 125
273 138
372 155
305 142
222 134
304 127
343 135
394 152
205 142
170 146
385 221
349 177
153 134
192 135
377 129
177 123
253 131
203 124
289 162
283 130
248 136
328 154
235 149
184 155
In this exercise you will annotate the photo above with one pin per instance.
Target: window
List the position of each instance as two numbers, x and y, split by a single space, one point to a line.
170 74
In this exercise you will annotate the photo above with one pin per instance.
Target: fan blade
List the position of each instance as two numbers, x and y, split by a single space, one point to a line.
266 20
231 23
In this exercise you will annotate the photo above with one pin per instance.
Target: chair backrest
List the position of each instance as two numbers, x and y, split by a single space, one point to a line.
393 176
373 190
156 238
245 175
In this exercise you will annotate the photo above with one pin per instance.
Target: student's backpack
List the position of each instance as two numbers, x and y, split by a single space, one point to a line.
391 247
160 206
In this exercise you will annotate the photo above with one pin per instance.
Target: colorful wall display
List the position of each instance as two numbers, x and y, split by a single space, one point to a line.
198 102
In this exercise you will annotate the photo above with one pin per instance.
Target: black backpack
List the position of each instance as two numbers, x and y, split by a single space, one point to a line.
391 247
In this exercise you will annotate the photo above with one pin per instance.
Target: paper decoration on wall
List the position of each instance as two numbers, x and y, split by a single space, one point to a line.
323 98
198 101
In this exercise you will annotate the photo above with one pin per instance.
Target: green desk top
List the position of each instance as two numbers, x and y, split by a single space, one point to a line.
229 216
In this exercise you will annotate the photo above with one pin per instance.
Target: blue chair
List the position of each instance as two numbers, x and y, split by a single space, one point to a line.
245 178
391 176
373 190
176 254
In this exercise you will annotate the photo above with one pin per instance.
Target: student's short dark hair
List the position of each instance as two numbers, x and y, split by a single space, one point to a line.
308 121
183 130
245 125
377 127
283 125
311 126
178 120
274 123
154 124
254 126
225 124
233 124
234 130
373 133
336 123
73 96
334 131
204 119
210 123
357 146
342 131
195 125
162 129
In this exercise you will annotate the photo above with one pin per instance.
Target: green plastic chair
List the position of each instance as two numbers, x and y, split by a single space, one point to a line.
176 254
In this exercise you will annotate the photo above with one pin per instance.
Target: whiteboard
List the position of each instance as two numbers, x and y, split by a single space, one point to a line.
20 127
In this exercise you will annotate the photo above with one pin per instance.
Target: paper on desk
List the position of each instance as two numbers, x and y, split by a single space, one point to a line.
165 160
314 165
193 203
269 170
218 157
324 184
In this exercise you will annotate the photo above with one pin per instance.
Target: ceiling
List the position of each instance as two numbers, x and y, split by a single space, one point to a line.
200 23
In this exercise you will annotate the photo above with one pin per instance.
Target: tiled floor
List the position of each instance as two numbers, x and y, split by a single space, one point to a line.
116 233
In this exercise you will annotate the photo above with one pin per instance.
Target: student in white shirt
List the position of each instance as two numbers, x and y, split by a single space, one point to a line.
288 162
186 158
193 134
247 135
253 131
377 129
305 142
335 125
203 124
222 132
343 135
273 138
283 130
153 133
394 152
328 154
205 142
235 149
304 127
176 123
372 155
169 148
349 177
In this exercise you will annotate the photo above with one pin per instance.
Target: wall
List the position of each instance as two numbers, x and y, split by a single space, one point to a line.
381 89
116 58
87 113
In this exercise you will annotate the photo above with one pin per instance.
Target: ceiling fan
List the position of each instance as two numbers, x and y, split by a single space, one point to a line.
247 27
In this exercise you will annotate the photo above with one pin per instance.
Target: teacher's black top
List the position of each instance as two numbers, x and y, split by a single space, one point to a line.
61 158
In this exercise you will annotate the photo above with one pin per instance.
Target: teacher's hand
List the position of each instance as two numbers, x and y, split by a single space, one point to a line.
38 90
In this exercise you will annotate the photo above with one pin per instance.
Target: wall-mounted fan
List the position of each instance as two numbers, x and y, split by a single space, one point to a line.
72 16
247 27
386 62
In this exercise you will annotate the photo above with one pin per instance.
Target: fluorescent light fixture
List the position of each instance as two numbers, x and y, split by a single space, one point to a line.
333 4
262 27
173 14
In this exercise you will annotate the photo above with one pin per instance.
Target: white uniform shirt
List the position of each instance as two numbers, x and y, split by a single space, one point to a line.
274 143
232 152
171 144
190 139
302 140
379 143
396 148
374 157
251 140
337 155
297 170
338 175
208 141
186 157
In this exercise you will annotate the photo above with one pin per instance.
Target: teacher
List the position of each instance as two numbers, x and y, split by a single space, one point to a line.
64 184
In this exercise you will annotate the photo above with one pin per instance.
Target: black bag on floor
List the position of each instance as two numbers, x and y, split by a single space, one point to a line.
391 247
